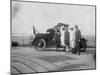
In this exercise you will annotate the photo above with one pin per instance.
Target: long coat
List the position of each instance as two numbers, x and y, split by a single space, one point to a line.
77 35
67 38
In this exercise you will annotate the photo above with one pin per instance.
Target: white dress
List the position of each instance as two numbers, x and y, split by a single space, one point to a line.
72 39
62 37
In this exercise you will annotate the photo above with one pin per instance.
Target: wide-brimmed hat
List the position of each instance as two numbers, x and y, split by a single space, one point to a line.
63 28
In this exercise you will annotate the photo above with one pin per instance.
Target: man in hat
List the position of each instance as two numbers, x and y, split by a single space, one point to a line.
77 40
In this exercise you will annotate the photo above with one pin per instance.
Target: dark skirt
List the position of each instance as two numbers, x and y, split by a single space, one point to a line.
67 38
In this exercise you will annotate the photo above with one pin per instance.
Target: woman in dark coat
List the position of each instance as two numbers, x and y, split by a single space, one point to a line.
67 39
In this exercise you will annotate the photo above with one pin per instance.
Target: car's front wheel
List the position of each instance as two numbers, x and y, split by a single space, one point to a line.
40 44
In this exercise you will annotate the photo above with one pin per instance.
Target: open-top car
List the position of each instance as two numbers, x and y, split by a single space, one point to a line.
46 40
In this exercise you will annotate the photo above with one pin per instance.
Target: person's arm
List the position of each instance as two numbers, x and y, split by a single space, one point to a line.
73 36
80 35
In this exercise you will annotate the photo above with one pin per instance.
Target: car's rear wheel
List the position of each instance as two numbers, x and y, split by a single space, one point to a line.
40 44
83 46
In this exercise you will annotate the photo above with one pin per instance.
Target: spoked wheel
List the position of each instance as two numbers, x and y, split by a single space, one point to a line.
40 44
83 46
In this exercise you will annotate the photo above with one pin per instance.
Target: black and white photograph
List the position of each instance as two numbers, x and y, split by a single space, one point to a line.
52 37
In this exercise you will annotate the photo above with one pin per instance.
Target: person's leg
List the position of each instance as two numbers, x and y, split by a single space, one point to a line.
73 50
67 48
56 46
72 47
78 49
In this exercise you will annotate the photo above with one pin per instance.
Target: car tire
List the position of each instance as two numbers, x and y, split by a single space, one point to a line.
83 46
40 44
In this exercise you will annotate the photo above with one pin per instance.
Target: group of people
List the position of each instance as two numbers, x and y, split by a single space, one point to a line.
70 38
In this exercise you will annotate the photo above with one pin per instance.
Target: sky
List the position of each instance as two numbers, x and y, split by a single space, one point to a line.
44 16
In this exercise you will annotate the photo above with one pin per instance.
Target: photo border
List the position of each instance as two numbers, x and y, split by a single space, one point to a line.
56 4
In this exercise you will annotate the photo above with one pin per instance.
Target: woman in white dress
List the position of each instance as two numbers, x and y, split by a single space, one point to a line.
72 38
62 31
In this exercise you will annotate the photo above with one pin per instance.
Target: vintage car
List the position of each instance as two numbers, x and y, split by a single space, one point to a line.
46 40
